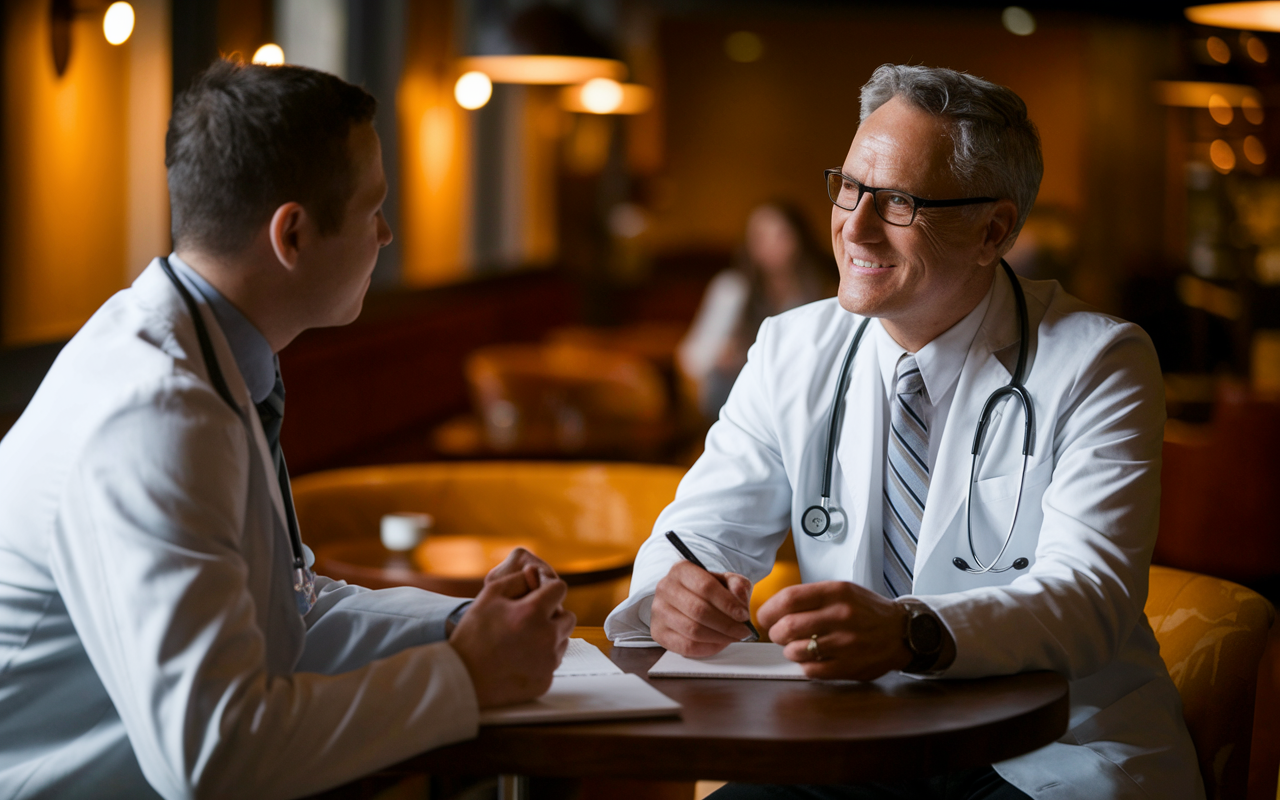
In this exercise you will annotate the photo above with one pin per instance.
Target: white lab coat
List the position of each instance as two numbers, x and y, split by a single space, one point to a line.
149 640
1087 522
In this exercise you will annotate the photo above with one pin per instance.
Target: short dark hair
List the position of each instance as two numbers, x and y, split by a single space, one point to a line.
245 139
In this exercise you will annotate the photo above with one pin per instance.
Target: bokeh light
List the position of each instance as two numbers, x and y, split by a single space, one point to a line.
744 47
269 55
1018 21
1220 109
473 90
1255 47
117 23
1252 109
1218 49
601 95
1254 151
1222 156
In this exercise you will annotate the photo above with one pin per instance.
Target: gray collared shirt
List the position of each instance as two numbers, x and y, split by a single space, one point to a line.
252 353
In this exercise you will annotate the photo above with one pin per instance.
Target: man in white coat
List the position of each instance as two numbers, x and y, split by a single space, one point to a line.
161 632
937 182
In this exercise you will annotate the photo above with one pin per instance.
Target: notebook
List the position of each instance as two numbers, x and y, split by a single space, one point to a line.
738 660
587 686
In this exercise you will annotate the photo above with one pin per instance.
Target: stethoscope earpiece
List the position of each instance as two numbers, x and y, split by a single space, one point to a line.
963 566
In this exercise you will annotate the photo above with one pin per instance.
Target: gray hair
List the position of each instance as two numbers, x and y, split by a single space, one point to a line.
997 147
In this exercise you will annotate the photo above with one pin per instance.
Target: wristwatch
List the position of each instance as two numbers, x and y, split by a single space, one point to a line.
923 635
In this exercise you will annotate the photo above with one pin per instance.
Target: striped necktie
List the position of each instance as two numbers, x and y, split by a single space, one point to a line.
271 412
906 477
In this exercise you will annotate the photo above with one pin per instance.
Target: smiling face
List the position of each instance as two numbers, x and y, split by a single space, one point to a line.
339 266
922 279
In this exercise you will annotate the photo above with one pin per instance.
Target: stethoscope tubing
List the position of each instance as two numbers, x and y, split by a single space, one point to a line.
1015 388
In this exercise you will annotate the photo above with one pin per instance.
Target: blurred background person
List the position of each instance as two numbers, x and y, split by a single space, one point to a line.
780 266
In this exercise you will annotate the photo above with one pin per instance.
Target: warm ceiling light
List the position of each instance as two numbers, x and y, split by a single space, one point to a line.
1253 150
1195 94
473 90
743 47
1218 49
544 69
1252 110
269 55
603 96
1259 16
1220 109
1222 156
117 23
1018 21
1255 47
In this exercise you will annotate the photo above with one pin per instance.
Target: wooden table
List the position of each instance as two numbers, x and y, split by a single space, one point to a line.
455 564
778 731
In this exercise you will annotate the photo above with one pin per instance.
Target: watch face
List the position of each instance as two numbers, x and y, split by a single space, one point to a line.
924 634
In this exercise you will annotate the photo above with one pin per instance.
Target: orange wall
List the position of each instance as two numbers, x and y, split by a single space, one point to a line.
739 134
65 175
435 147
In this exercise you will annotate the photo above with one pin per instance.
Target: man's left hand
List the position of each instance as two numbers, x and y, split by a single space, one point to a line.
859 632
535 569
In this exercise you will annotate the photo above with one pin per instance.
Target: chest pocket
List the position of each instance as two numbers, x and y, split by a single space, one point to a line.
994 500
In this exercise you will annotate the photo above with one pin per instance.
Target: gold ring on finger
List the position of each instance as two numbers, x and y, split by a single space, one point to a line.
812 648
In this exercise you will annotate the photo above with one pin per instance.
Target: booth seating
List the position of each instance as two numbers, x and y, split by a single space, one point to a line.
560 506
560 400
1219 483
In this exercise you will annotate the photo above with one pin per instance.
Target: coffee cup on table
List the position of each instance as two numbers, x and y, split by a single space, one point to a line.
404 531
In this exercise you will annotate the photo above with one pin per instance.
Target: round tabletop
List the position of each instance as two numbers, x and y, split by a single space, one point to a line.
780 731
455 564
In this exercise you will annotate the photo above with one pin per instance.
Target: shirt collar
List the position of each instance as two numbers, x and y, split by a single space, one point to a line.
249 347
941 360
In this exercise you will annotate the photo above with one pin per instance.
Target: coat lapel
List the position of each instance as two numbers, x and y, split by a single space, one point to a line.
156 288
987 367
860 456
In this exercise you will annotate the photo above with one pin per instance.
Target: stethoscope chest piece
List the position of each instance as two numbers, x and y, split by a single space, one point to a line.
822 523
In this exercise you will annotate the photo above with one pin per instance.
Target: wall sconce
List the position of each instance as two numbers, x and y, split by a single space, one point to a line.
117 27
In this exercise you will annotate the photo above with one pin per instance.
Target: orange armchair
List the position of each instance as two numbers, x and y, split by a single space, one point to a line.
1212 634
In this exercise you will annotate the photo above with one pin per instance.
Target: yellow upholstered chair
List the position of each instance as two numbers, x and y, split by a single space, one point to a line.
562 507
1212 634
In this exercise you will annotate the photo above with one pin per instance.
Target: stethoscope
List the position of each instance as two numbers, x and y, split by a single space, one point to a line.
220 384
816 520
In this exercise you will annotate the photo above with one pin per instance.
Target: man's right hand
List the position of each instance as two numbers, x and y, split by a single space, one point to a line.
699 613
512 639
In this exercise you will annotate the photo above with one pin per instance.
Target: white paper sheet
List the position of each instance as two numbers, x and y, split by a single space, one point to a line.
738 660
584 658
581 698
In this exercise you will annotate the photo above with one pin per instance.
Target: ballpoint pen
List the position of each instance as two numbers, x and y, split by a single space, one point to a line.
692 559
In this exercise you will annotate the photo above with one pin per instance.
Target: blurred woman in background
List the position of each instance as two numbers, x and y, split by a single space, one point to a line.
779 267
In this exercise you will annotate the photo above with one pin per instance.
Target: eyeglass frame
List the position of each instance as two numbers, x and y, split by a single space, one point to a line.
917 203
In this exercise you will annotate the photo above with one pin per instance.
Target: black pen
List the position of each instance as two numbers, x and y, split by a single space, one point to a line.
692 559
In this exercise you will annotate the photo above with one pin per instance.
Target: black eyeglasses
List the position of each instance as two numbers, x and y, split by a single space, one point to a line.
894 207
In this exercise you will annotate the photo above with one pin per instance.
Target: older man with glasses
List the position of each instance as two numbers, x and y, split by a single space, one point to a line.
968 463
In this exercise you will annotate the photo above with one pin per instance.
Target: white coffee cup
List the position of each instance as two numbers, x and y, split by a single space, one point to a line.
404 531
